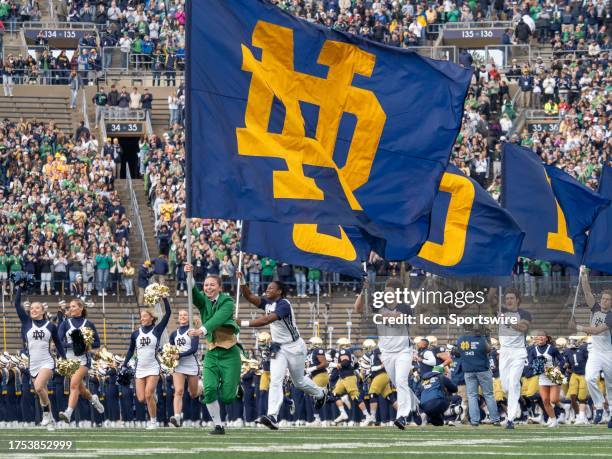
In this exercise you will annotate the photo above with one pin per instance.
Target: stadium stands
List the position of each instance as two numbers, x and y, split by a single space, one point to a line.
549 94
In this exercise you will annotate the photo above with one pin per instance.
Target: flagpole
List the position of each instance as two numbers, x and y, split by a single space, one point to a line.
240 254
577 290
104 315
190 273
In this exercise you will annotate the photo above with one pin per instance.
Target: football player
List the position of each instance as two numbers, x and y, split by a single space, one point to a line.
263 345
377 379
576 356
316 368
347 383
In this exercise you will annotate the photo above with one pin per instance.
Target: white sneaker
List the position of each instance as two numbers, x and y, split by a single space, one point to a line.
342 418
562 418
368 421
152 425
97 404
536 420
46 418
552 423
581 420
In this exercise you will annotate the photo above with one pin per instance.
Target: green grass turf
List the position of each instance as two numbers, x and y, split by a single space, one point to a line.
296 443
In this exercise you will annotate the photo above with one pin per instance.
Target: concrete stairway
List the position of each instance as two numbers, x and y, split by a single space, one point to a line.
44 103
147 216
136 253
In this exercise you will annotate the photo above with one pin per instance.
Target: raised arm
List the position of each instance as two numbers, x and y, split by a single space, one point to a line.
586 287
360 300
163 323
246 291
21 312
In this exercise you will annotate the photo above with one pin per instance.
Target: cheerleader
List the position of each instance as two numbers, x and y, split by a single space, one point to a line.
548 354
145 342
77 319
37 331
188 367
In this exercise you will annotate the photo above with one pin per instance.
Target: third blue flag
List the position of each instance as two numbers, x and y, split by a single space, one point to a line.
598 254
552 208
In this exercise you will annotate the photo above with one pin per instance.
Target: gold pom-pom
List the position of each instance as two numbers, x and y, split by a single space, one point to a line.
154 293
170 356
554 374
88 336
67 367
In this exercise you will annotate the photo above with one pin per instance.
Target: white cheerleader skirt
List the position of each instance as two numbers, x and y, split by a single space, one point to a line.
84 360
188 366
142 371
545 381
37 364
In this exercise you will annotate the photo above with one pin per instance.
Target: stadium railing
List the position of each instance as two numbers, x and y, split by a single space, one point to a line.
447 53
479 25
84 107
521 53
117 113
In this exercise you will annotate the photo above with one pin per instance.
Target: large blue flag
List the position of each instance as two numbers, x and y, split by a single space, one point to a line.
293 122
327 247
598 254
552 208
470 235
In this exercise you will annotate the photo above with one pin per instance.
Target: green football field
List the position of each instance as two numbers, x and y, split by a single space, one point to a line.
337 442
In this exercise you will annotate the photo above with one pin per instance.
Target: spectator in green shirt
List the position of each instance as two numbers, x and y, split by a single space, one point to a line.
267 269
314 276
4 263
103 264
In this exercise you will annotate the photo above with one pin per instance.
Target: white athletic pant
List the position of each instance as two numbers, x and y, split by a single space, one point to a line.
596 363
398 366
291 356
511 364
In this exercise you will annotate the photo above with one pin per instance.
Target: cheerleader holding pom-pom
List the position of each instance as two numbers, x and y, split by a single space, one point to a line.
145 343
38 332
79 336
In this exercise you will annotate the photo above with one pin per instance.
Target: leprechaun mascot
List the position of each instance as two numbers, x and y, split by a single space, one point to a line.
221 375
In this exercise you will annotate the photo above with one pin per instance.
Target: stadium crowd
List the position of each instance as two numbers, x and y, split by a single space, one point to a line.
573 87
61 219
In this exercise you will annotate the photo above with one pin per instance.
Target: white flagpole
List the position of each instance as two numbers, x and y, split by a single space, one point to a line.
240 255
190 273
577 290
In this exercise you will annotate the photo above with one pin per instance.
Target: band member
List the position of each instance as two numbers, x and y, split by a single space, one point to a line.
77 319
145 342
188 367
38 332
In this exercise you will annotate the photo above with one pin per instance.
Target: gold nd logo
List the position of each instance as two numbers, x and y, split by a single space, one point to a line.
274 76
465 345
